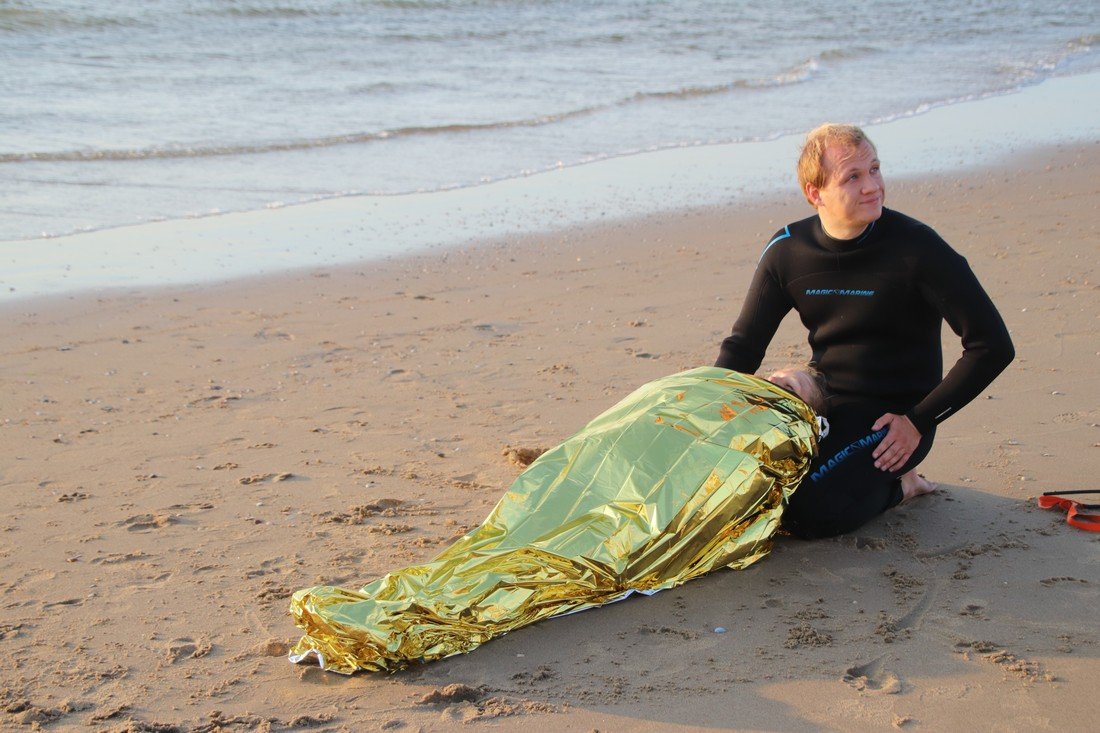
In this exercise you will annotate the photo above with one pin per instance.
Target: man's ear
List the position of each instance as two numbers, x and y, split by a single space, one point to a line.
813 194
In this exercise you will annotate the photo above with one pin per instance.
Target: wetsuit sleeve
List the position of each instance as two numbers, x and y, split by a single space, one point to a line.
951 286
761 313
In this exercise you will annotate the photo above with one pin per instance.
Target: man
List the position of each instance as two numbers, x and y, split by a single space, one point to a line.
872 286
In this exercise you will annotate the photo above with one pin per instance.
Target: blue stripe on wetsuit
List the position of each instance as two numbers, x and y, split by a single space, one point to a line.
786 233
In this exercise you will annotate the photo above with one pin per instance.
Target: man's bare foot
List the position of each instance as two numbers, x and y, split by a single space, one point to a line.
914 485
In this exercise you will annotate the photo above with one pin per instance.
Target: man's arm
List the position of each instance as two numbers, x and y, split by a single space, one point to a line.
762 311
954 290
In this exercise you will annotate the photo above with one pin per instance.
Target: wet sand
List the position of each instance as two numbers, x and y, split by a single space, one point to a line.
176 462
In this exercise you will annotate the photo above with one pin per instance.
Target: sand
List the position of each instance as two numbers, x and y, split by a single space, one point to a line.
175 463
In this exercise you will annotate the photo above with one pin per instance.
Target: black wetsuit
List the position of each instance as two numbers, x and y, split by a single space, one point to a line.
874 307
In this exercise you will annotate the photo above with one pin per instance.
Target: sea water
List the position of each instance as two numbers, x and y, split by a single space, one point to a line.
118 113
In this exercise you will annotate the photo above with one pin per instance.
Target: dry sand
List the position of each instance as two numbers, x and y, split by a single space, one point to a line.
175 463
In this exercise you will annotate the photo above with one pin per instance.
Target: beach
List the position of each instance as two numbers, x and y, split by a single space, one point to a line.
178 460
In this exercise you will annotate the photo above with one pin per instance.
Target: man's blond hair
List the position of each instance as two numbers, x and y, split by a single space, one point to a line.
811 162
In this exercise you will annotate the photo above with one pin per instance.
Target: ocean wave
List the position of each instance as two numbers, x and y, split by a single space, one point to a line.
309 8
438 4
848 52
458 35
800 73
1083 43
247 10
22 19
210 151
1050 64
797 74
923 108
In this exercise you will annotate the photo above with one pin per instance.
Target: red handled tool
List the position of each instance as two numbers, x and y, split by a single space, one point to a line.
1082 516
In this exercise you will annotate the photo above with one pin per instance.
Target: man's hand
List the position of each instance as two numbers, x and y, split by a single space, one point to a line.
899 443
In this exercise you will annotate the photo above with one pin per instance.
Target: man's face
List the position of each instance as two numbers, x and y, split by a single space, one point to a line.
854 191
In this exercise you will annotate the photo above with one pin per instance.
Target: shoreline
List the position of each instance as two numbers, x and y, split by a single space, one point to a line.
359 231
777 204
179 461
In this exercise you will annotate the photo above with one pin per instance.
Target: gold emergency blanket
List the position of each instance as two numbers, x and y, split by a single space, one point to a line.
687 474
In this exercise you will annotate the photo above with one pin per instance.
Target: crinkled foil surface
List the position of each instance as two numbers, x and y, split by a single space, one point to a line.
687 474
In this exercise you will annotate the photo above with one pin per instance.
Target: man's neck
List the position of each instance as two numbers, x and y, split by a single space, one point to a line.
838 230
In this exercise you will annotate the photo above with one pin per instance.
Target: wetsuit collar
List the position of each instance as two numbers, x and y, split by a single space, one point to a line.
833 244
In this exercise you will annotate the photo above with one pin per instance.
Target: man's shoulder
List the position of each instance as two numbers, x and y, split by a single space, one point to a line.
919 244
913 231
899 223
795 233
802 227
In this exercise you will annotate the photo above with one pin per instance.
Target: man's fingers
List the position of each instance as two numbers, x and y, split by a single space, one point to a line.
891 458
897 445
893 462
889 439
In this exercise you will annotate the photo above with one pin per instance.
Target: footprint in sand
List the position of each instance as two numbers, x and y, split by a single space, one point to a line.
1008 662
384 507
872 677
866 543
261 477
1048 582
197 506
115 558
270 648
273 591
147 522
271 565
11 631
185 648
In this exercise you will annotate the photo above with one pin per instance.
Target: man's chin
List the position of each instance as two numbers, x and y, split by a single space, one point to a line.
874 214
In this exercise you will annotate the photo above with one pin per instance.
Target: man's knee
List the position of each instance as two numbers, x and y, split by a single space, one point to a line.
811 525
824 513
